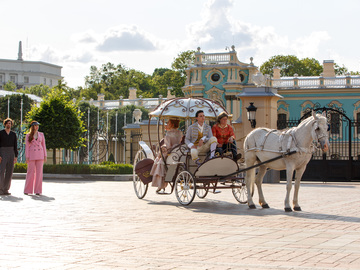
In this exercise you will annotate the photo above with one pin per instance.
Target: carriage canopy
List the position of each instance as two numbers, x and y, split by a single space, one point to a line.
187 107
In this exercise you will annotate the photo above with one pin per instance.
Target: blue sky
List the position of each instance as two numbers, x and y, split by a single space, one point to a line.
145 35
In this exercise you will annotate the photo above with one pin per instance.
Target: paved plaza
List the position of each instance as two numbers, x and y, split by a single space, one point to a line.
103 225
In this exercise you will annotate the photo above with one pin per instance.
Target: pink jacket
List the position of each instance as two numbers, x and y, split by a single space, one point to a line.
36 149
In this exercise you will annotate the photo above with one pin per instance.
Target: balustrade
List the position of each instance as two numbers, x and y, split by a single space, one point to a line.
316 82
215 58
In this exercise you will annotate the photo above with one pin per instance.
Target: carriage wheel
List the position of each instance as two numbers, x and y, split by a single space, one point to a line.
139 187
201 193
185 188
240 193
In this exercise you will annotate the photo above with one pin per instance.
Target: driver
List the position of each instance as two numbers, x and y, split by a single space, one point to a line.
199 138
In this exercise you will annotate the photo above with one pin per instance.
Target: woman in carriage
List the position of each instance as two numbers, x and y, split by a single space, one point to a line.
225 136
173 137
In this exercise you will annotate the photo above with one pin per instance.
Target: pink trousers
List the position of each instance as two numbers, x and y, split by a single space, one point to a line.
34 177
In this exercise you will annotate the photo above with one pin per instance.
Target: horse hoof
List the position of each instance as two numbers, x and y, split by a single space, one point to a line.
297 208
288 209
252 206
265 205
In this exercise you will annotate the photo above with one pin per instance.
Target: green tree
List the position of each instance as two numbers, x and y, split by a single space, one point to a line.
10 86
60 121
37 90
170 78
115 81
340 70
289 65
310 67
182 61
15 107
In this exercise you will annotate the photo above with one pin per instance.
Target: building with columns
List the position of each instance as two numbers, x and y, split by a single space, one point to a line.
28 73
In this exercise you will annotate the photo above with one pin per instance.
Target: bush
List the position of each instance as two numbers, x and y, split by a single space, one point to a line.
20 167
110 168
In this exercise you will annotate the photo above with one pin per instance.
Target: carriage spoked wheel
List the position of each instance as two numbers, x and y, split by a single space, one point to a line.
202 192
185 188
139 187
240 193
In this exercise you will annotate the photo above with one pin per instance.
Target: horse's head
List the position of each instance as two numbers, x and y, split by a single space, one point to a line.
320 130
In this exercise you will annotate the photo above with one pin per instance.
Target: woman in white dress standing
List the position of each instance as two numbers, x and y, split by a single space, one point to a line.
173 137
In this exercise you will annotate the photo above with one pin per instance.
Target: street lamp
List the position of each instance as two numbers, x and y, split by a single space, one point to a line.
251 114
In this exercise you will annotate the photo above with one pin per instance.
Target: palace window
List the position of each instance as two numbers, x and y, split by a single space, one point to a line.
26 79
215 77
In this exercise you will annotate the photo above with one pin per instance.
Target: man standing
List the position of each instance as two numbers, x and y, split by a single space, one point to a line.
8 156
199 138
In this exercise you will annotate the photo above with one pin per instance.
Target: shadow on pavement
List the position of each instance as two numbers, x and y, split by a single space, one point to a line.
42 198
10 198
225 208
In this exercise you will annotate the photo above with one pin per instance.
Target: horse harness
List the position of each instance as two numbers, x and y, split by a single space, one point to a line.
291 140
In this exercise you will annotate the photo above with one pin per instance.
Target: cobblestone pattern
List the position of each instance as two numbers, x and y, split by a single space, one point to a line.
103 225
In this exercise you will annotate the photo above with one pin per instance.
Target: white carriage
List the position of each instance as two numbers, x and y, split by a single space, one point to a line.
185 178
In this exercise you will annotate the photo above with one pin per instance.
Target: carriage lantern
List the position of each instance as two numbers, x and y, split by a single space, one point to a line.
251 114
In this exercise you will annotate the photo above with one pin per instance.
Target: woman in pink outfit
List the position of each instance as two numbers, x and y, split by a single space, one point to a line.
35 152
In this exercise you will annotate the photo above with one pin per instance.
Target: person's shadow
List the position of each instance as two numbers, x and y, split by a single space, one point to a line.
10 198
42 198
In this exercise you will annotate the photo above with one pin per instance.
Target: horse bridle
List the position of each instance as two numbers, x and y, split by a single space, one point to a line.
321 135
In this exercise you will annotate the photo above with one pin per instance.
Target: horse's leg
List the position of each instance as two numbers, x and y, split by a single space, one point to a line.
250 159
289 175
258 181
298 176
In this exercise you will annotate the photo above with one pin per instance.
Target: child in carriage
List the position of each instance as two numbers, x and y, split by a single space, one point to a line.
173 137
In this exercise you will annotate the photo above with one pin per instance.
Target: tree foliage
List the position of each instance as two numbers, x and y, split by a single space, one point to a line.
13 102
38 90
182 61
10 86
60 121
290 65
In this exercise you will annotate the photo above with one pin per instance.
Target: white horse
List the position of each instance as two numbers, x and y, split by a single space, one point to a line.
263 144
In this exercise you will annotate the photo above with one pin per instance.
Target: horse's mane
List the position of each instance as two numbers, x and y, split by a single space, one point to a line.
302 123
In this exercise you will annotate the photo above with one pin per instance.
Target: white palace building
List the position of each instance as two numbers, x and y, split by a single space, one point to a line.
28 73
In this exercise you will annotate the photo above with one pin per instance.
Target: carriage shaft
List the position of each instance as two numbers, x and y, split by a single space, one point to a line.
259 164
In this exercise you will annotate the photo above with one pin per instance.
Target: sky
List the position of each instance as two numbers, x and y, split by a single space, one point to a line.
144 35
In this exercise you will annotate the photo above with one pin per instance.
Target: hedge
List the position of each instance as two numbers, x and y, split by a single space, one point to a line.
109 168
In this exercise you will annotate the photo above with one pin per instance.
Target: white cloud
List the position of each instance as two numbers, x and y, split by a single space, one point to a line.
218 29
308 46
86 37
126 38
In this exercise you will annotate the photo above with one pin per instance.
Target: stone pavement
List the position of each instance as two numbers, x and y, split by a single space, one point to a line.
103 225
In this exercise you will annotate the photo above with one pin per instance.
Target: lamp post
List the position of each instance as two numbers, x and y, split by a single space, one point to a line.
251 114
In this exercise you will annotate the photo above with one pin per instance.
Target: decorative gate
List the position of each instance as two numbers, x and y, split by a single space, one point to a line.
341 162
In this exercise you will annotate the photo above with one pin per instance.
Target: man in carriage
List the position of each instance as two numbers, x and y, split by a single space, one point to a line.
199 138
